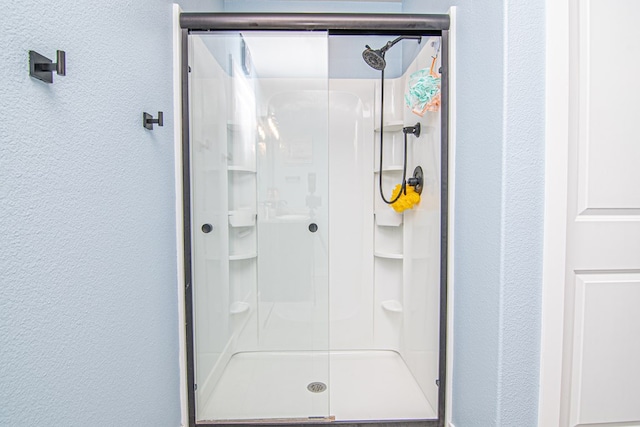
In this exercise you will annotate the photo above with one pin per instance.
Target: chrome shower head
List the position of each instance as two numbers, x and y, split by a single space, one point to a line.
375 58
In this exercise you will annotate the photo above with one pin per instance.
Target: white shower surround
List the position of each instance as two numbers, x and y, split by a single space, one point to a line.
391 300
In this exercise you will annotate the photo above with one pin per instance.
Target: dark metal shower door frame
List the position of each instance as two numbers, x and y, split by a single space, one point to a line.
343 24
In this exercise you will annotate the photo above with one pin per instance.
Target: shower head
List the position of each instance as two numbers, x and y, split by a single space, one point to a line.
375 58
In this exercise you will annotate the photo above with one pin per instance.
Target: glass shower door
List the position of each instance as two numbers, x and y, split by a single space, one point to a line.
258 144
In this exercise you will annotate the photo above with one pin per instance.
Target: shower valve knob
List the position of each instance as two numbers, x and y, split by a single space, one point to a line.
417 180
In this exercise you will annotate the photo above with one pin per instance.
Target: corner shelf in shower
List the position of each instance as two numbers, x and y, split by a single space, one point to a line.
391 168
388 218
239 307
391 126
241 257
243 169
388 255
235 126
392 306
242 219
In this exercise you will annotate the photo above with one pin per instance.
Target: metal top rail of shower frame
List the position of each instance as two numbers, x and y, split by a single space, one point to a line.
334 23
373 23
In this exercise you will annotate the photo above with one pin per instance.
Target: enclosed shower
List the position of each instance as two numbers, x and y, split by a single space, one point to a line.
312 295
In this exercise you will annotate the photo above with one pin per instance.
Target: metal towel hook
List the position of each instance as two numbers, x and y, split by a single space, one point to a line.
148 120
42 68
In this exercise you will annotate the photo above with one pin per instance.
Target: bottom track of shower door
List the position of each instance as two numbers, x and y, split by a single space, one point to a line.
361 385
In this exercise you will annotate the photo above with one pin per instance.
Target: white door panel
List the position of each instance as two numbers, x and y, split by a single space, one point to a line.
605 244
601 333
606 372
609 90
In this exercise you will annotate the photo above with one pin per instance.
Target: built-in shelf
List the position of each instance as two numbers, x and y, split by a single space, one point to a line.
392 306
389 218
391 168
245 169
391 126
242 256
388 255
234 126
239 307
242 219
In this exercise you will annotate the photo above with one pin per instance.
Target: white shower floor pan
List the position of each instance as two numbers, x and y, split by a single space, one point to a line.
361 385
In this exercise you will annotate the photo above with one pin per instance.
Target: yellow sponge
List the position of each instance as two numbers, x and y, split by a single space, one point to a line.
405 201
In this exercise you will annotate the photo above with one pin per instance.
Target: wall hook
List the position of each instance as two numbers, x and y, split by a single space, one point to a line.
415 130
42 68
148 120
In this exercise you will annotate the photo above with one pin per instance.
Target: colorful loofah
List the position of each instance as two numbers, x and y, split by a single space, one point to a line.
406 201
424 91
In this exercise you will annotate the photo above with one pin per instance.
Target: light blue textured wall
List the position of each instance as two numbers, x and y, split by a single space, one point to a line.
201 5
291 6
88 300
499 207
523 214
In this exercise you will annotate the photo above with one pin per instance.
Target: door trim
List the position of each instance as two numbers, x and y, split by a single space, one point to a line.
555 212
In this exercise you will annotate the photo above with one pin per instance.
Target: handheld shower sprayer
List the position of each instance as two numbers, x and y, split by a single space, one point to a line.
375 59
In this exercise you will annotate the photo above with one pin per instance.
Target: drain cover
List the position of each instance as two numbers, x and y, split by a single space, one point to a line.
317 387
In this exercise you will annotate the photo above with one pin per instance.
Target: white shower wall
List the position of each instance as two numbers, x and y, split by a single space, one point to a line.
366 276
382 288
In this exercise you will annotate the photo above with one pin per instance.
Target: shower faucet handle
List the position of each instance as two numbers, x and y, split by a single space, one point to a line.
417 180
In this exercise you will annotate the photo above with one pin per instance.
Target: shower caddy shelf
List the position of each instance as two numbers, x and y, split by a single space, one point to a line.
390 168
239 307
241 188
241 169
235 126
389 225
392 306
242 219
242 257
391 126
388 255
384 218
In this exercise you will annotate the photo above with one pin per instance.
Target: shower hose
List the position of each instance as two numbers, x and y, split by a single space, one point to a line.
403 188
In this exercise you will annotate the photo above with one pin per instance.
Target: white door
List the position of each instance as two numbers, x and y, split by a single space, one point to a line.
590 368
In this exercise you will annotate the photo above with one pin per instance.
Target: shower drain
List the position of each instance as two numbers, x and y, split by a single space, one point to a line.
317 387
